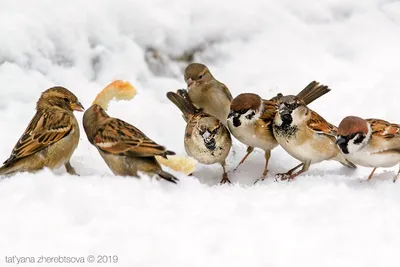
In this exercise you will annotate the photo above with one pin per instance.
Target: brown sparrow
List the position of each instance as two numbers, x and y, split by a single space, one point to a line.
124 148
370 143
206 138
305 135
206 92
51 136
250 119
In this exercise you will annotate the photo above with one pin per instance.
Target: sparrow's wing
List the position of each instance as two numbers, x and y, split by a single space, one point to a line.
46 128
120 138
270 109
226 91
385 134
384 129
320 125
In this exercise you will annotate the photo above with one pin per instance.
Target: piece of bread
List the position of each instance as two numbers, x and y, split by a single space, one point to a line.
121 90
117 90
181 164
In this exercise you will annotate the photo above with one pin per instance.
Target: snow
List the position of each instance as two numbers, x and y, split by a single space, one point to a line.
328 217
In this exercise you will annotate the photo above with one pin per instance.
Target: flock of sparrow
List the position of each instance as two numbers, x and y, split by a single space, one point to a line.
212 115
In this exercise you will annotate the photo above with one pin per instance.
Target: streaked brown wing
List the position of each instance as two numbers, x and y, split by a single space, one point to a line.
384 129
121 138
320 125
270 109
46 128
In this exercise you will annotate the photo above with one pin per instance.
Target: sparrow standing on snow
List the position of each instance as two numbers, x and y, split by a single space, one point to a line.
124 148
305 135
370 143
206 138
51 136
250 119
206 92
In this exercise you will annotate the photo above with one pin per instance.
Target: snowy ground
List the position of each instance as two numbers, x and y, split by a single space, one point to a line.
328 217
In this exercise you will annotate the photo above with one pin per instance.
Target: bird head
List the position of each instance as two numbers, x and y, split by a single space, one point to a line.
245 109
353 133
197 74
59 97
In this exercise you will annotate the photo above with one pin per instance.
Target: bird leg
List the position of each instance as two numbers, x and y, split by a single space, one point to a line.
225 178
398 173
267 156
249 151
290 176
372 173
70 169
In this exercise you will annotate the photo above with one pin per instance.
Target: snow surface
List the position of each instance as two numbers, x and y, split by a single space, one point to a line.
327 217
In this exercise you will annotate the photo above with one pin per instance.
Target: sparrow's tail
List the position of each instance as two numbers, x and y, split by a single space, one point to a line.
183 104
168 153
345 162
6 169
167 176
313 91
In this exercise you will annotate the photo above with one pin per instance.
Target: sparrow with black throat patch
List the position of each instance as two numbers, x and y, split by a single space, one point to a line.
305 135
251 117
51 136
124 148
370 142
207 93
206 138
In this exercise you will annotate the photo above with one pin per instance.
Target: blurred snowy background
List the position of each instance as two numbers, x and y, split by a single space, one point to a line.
327 217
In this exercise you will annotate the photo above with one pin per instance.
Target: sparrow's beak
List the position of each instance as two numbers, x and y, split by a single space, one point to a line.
285 114
77 106
189 82
340 140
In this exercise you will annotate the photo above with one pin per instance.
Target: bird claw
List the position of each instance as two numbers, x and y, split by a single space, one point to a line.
259 180
283 177
225 179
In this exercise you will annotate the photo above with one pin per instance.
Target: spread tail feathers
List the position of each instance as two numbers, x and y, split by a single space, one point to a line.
184 105
167 176
313 91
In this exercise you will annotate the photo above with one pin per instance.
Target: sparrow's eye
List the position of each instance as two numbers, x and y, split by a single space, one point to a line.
359 139
213 132
66 99
201 77
250 116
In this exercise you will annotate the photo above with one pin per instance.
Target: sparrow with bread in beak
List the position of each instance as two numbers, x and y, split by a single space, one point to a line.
370 142
124 148
206 93
305 135
51 136
251 117
206 138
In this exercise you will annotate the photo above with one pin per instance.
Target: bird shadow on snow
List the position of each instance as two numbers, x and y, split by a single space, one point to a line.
247 174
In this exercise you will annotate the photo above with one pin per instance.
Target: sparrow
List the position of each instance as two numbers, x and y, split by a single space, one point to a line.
206 138
250 119
51 136
305 135
206 92
369 142
124 148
